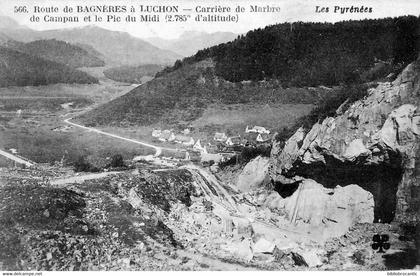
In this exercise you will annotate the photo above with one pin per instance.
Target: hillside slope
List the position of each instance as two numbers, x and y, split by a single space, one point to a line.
256 67
61 52
133 74
309 54
183 95
21 69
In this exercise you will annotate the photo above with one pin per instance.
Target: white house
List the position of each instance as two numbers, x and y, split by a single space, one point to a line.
262 137
156 133
186 131
233 141
185 140
167 135
197 146
220 136
257 129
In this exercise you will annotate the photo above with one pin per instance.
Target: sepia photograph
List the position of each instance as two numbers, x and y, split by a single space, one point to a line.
235 135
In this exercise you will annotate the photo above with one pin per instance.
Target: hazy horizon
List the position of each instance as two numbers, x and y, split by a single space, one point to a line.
303 10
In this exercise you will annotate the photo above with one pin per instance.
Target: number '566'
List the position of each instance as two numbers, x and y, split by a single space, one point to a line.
21 9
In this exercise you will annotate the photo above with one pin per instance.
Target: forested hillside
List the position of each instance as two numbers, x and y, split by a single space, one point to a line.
184 94
133 74
309 54
21 69
61 52
257 67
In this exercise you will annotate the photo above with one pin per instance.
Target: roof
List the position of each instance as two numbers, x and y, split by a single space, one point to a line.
259 128
264 136
220 135
235 139
182 138
166 134
251 136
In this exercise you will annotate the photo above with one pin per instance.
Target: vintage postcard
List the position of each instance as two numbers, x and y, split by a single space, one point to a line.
235 135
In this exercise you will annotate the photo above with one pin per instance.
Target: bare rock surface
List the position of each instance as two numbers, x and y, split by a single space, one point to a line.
254 174
373 144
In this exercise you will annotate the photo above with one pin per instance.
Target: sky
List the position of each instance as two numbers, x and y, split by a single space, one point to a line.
290 11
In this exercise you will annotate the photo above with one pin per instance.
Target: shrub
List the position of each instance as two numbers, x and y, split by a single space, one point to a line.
82 165
249 153
117 161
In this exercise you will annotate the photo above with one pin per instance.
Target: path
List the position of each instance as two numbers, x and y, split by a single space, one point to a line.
156 148
79 179
17 159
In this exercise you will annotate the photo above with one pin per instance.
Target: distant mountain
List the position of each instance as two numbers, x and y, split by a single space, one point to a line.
118 48
4 38
21 69
90 50
190 42
61 52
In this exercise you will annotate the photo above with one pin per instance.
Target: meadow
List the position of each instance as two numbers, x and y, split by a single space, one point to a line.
39 133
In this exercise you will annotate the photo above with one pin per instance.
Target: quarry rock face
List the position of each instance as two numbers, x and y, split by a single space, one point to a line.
335 209
254 174
373 145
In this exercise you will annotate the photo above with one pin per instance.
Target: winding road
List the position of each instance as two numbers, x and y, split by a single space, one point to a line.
16 158
156 148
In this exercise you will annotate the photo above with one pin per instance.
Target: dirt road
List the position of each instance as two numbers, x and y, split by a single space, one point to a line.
156 148
15 158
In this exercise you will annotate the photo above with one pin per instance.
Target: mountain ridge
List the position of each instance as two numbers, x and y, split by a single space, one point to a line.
118 48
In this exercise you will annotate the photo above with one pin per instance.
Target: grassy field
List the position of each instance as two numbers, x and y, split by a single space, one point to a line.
231 119
38 133
47 146
4 162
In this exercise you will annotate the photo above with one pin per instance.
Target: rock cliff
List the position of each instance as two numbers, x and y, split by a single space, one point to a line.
373 144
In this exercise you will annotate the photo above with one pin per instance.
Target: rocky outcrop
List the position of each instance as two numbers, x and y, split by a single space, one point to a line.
335 209
254 174
373 144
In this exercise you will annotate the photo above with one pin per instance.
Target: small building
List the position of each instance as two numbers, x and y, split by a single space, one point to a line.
233 141
263 138
257 129
250 138
186 131
185 140
156 133
212 148
167 135
198 147
220 137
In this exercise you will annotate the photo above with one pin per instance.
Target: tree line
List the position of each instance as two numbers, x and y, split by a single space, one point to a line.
310 54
